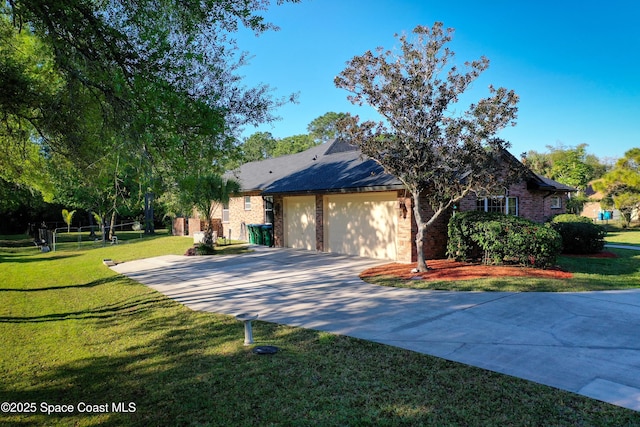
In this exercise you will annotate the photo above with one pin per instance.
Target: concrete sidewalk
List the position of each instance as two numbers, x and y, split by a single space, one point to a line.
587 343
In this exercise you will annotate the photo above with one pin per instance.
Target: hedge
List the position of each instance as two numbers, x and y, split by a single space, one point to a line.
502 239
579 234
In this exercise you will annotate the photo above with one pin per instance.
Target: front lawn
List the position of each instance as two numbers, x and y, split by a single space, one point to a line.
74 333
621 236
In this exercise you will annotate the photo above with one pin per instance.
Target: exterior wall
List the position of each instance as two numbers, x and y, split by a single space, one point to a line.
239 217
179 226
195 225
533 205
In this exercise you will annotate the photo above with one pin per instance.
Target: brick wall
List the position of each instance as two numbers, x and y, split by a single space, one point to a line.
178 227
533 205
239 217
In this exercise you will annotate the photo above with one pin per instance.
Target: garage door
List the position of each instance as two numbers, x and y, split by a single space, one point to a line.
300 222
362 224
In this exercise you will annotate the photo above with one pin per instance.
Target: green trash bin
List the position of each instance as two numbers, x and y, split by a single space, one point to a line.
258 234
252 233
267 235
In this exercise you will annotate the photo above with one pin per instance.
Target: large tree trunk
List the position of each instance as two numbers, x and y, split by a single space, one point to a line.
420 234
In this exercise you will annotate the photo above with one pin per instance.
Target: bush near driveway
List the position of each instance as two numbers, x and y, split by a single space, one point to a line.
579 234
502 239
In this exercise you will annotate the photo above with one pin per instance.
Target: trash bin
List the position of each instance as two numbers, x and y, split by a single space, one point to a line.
259 238
267 235
252 233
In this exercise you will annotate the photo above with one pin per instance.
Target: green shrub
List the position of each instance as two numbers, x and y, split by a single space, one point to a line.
581 237
500 239
571 218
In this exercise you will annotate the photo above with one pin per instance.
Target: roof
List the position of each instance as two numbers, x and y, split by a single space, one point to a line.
335 166
543 183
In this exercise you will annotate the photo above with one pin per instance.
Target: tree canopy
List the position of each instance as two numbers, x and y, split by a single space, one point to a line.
439 156
621 185
122 88
569 165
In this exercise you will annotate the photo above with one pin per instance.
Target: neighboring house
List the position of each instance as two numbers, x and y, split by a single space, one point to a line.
332 199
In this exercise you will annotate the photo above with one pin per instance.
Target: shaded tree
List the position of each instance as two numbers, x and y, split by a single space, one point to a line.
440 157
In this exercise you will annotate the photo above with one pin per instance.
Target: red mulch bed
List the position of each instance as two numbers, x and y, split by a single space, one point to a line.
444 269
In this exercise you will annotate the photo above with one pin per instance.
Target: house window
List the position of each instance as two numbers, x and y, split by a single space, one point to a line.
556 202
247 203
268 210
501 204
225 212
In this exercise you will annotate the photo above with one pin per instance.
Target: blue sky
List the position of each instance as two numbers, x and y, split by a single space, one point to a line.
574 64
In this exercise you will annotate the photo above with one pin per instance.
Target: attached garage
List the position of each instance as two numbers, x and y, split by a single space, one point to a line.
362 224
300 222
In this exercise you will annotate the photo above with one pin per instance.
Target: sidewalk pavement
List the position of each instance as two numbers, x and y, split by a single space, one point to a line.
587 342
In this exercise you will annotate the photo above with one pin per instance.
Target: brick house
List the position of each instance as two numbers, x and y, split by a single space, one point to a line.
332 199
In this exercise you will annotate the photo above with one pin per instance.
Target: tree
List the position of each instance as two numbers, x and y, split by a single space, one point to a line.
440 157
568 165
325 127
292 144
153 80
206 193
258 146
67 217
621 185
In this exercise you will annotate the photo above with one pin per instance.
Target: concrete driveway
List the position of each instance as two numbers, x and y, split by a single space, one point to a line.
587 343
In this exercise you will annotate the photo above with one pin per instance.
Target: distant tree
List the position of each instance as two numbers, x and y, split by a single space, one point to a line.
293 144
258 146
569 165
206 193
621 185
324 128
440 157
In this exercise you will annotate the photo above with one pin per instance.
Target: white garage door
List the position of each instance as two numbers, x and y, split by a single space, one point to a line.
362 224
300 222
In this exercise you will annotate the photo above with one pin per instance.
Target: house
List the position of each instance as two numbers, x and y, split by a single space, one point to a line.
332 199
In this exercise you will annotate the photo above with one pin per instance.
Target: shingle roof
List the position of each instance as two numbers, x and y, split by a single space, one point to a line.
332 167
335 166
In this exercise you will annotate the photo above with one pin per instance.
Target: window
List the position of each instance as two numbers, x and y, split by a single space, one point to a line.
556 202
268 210
247 203
225 212
501 204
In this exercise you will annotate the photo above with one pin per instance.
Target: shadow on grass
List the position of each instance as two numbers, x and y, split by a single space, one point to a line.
120 309
91 284
22 258
182 369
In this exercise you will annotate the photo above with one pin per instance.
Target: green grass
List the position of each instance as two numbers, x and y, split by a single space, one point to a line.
73 331
622 236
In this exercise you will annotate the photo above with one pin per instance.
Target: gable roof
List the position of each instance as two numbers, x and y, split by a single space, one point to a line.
335 166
